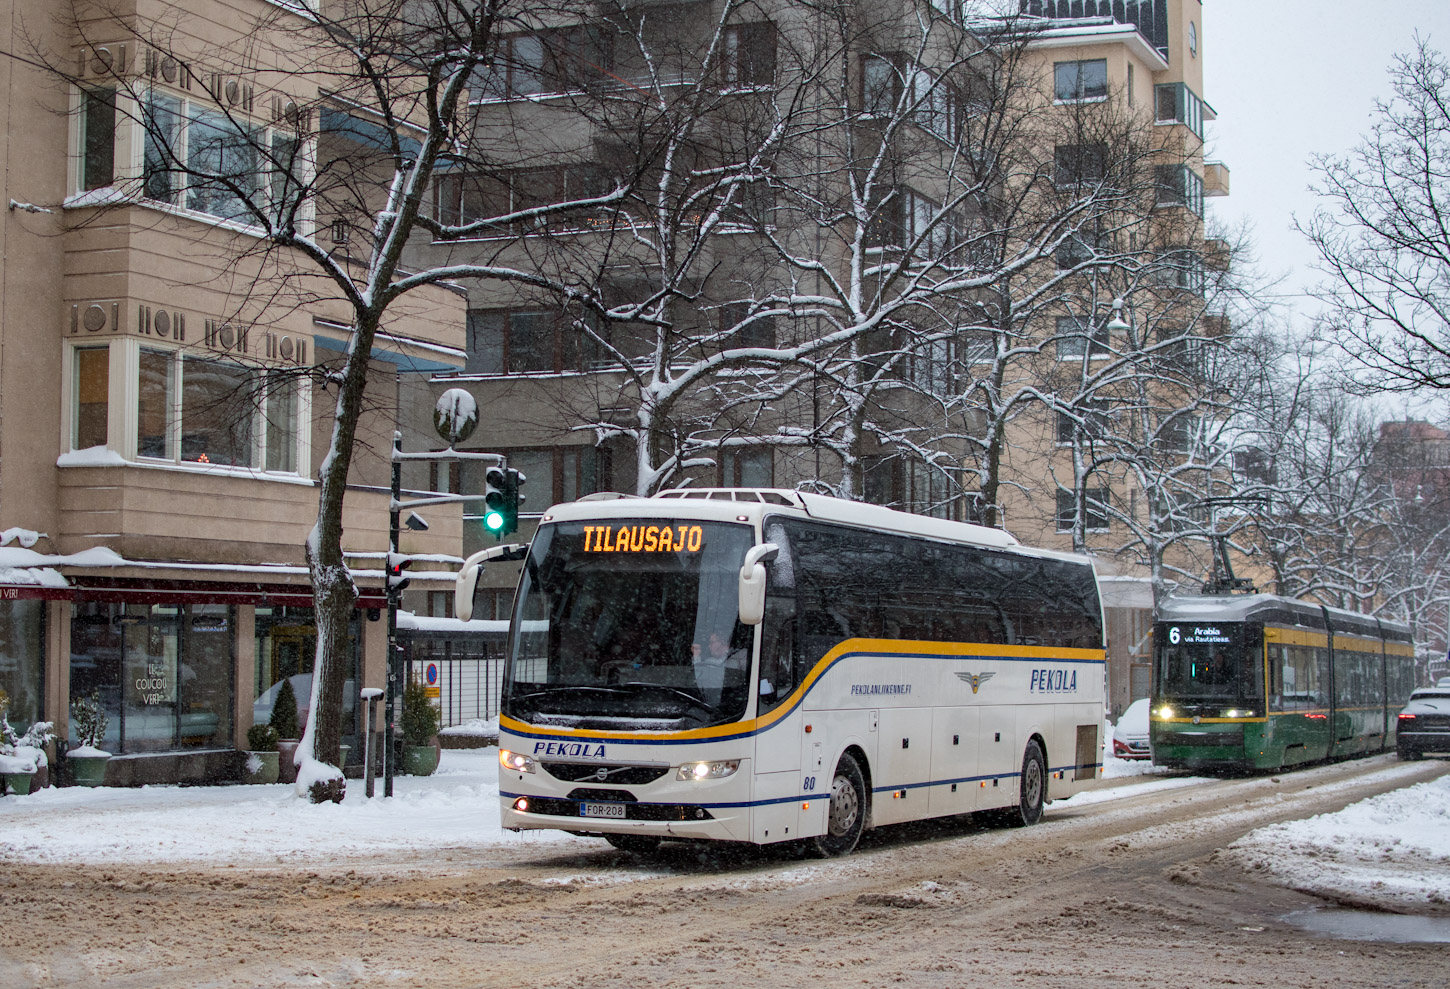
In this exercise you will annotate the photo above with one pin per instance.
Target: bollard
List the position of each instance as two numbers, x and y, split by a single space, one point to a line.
369 694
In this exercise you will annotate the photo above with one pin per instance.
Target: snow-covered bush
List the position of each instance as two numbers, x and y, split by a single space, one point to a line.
421 720
262 738
90 721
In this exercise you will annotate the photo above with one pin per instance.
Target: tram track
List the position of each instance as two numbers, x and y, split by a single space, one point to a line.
1123 891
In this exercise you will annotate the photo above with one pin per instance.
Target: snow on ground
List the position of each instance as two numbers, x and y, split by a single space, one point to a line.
264 825
1392 850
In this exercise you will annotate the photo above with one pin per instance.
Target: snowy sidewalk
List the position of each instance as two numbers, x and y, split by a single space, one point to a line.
263 825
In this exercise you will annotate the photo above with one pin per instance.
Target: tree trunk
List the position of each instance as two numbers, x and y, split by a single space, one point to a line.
334 593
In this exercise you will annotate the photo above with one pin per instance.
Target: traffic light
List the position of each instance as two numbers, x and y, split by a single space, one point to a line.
495 481
512 499
397 563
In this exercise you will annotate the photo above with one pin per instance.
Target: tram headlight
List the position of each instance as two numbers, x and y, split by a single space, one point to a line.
515 761
1165 711
1238 712
717 770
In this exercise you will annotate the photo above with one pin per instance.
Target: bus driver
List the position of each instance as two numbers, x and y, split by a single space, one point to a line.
712 662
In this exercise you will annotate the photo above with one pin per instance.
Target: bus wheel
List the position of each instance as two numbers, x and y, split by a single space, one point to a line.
846 818
637 844
1034 787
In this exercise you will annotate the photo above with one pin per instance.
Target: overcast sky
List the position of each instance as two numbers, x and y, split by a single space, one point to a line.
1288 79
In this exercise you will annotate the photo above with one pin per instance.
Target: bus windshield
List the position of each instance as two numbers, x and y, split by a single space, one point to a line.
631 624
1210 663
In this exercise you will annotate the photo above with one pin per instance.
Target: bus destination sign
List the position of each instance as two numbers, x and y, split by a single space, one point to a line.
643 538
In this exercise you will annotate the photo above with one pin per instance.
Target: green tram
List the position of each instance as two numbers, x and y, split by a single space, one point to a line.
1259 682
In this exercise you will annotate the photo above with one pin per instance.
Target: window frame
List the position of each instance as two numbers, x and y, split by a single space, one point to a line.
1178 185
1187 107
1096 340
1078 92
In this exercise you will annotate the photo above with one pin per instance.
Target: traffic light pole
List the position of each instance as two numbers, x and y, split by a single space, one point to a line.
394 587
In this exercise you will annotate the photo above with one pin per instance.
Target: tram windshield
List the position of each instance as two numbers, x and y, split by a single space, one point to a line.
631 624
1210 663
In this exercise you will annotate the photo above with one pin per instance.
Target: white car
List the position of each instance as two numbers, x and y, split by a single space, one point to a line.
1443 682
1424 724
1130 735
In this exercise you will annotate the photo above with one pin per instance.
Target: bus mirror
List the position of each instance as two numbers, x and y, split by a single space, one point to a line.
463 591
752 582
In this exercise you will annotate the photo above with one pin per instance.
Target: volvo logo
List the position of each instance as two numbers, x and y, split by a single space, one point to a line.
601 774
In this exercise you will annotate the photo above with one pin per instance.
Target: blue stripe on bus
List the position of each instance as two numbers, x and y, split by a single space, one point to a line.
805 796
780 714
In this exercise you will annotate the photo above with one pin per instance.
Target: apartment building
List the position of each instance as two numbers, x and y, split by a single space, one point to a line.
161 418
884 181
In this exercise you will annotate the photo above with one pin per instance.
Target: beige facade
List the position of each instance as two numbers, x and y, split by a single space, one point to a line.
161 421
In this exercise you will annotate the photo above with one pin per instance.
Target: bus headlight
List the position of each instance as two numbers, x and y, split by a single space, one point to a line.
708 770
515 761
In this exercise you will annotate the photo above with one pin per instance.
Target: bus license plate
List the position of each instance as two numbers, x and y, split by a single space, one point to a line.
602 810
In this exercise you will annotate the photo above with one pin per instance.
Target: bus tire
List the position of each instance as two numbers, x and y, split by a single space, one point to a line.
635 844
846 815
1033 791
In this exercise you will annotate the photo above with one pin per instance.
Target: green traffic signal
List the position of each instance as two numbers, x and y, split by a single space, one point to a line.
493 521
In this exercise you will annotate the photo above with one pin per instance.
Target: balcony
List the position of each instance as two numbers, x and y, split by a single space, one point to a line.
1215 178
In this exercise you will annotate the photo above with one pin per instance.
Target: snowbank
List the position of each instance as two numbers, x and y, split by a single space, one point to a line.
1390 851
456 807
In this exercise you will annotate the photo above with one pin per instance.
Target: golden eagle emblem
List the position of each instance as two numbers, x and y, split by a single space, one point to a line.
975 679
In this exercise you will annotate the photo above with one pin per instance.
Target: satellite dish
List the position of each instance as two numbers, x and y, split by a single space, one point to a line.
455 415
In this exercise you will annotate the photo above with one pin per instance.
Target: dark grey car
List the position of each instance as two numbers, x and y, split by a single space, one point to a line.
1424 724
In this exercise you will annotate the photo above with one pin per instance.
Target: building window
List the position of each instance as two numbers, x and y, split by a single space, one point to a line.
935 105
1096 517
747 467
163 672
565 60
92 388
1080 164
748 54
502 341
907 219
1181 268
1178 185
1130 84
1175 103
1081 247
880 85
1090 422
201 410
98 138
467 197
1076 81
915 486
1075 339
215 163
739 328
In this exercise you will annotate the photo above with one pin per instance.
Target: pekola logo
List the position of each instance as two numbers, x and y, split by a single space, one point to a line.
1054 682
584 749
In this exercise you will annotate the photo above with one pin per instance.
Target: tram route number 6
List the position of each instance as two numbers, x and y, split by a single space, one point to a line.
1175 636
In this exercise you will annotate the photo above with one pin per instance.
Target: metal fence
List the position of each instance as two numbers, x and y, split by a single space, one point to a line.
465 667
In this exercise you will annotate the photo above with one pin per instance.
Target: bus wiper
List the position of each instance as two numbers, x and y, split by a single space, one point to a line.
570 686
697 701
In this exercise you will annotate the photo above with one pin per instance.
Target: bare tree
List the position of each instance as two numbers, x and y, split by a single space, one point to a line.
1382 234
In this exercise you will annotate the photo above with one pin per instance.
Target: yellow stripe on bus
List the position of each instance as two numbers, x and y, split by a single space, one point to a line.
884 647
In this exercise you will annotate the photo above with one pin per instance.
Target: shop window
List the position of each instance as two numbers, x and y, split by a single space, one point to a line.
22 660
163 673
92 387
286 647
1077 81
98 138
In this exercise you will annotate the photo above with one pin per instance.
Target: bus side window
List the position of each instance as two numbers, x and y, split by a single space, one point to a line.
779 660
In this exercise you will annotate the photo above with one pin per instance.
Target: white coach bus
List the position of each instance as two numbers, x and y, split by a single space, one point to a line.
767 666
